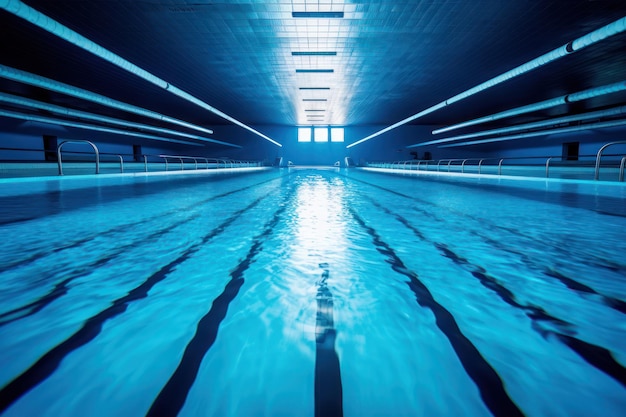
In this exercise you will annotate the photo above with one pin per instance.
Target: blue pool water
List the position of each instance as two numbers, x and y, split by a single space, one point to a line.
308 292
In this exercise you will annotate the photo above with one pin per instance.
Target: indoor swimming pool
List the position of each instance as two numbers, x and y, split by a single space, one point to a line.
302 292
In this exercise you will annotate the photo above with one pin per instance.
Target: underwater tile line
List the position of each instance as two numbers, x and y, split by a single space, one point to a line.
553 273
597 356
328 388
591 260
487 380
49 362
173 395
37 255
61 287
611 302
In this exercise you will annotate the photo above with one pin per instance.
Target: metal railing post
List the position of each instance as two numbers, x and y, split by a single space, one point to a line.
548 167
500 167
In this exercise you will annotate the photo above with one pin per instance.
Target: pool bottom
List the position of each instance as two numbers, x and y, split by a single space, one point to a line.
273 293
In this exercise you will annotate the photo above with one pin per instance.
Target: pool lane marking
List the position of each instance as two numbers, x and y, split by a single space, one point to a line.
49 362
612 302
594 261
34 257
597 356
572 284
487 380
61 288
173 395
328 388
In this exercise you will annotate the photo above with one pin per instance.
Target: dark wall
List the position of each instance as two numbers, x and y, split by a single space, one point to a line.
23 141
390 146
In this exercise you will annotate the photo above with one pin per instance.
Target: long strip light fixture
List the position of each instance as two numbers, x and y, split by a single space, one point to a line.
34 104
52 85
617 111
599 125
568 98
39 19
62 122
604 32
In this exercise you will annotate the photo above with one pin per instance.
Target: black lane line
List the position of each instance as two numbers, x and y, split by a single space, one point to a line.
590 260
487 380
61 288
569 282
611 302
49 362
328 388
37 255
172 397
597 356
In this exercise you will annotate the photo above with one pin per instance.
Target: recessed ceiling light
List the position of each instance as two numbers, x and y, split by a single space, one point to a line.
314 88
315 70
319 15
313 53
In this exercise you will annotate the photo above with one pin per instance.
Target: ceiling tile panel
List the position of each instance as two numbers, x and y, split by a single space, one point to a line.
393 58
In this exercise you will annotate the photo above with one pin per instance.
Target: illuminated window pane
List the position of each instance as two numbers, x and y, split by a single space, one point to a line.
321 134
304 134
336 134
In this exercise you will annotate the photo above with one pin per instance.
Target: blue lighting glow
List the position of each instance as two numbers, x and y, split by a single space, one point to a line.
318 15
314 70
25 102
544 123
37 18
52 120
569 98
599 125
313 53
606 31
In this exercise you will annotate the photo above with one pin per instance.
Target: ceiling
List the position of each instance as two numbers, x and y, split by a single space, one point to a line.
251 59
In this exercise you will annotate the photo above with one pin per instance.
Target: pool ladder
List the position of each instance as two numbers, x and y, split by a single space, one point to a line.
95 148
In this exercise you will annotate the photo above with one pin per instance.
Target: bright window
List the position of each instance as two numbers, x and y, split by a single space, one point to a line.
304 134
336 134
321 134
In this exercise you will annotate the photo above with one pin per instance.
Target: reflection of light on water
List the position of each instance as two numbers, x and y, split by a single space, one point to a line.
317 236
318 227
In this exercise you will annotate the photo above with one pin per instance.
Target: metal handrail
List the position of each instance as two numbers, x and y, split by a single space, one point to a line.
599 155
548 167
121 164
95 148
472 159
621 169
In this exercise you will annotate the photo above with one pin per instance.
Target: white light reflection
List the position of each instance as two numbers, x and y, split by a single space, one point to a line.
319 228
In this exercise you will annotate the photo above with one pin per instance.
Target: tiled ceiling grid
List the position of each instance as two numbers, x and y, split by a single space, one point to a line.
390 59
